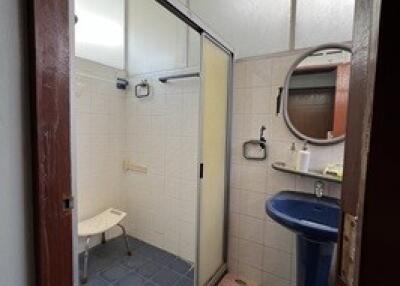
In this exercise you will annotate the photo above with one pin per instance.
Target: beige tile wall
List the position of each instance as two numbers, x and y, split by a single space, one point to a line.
159 132
162 134
258 247
100 133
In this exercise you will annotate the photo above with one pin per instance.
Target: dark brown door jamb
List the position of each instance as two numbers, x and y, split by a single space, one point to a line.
50 91
360 107
380 247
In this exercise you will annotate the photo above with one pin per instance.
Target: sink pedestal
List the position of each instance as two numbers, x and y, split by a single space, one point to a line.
313 261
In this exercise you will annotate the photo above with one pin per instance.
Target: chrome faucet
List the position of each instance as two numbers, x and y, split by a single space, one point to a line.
319 188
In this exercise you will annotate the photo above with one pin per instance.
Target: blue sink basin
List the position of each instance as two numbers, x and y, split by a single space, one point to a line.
315 221
305 214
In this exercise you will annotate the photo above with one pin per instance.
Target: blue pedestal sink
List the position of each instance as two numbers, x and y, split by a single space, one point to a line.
315 221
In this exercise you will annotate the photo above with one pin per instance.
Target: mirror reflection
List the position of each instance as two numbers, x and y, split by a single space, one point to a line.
318 94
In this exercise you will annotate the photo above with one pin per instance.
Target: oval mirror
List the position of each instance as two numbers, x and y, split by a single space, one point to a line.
315 95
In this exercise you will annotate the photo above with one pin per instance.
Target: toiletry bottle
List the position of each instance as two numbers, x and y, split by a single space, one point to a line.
293 156
303 159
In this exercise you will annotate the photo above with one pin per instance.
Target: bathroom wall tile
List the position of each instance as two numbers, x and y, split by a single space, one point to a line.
277 262
280 67
234 200
258 73
250 253
278 237
260 98
279 129
278 181
256 85
232 265
250 229
235 176
83 123
272 280
306 185
294 261
237 151
254 178
252 204
100 129
240 74
162 135
234 224
232 248
83 100
242 101
100 104
335 190
250 273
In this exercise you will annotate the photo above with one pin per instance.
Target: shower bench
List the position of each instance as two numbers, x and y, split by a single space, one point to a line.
99 224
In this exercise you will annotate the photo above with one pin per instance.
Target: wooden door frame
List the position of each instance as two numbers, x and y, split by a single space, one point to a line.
370 190
49 45
49 51
380 240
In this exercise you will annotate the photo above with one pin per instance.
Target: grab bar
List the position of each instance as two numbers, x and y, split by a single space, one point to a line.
179 76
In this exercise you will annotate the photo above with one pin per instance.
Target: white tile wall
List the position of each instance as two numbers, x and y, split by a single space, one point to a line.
100 117
159 132
258 247
162 134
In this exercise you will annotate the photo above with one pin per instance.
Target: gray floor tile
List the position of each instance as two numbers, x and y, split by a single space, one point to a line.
190 274
114 273
166 277
149 269
132 279
135 261
148 266
185 282
161 257
180 266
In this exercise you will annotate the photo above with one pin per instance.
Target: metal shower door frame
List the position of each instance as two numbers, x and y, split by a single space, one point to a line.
223 268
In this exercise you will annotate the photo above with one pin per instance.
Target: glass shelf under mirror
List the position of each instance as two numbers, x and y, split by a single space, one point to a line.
283 167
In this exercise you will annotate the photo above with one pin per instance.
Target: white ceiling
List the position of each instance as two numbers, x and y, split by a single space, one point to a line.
251 27
259 27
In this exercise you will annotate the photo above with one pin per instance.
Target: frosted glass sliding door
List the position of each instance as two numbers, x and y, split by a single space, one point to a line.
215 76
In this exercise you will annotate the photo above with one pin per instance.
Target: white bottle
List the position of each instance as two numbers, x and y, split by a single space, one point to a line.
303 159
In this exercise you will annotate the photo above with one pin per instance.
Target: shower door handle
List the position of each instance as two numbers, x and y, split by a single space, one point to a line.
201 170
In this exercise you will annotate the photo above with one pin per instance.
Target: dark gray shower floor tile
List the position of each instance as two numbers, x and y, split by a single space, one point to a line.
148 266
166 277
180 266
134 262
184 281
149 269
114 273
132 279
190 274
161 257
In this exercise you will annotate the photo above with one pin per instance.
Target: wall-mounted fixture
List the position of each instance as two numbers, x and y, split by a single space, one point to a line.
179 76
122 83
262 143
315 95
142 89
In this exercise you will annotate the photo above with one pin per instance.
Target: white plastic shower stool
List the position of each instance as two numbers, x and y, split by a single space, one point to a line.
99 224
